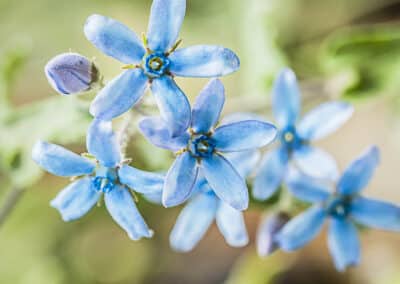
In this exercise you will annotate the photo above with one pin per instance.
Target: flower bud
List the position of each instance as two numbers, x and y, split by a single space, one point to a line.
268 229
71 73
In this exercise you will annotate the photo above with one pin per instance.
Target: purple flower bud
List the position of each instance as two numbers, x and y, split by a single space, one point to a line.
71 73
269 227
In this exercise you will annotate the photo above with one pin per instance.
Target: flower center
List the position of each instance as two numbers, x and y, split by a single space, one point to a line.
105 179
201 146
338 206
290 139
156 64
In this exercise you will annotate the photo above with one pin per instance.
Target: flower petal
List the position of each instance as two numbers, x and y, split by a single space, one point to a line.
173 105
119 95
301 229
305 188
230 137
244 162
180 180
203 61
123 210
343 243
359 172
316 163
208 106
324 119
166 17
59 161
155 130
376 214
231 224
227 184
114 39
270 174
193 222
76 199
102 143
286 98
141 181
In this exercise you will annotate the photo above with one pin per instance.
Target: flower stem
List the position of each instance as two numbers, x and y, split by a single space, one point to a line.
11 200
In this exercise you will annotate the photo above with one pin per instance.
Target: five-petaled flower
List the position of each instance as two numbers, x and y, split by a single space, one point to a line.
106 175
204 206
344 207
294 139
156 62
202 147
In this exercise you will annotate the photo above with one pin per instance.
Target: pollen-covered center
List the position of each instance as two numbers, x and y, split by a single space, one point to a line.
338 206
201 146
290 139
156 64
105 179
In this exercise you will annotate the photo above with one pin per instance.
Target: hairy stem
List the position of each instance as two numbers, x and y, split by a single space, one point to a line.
10 201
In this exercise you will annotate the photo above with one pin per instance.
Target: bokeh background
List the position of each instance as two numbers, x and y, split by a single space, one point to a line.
340 49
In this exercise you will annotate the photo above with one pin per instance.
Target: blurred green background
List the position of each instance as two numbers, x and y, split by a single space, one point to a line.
339 49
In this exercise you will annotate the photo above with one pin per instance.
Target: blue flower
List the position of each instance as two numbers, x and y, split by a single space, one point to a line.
295 137
71 73
155 62
204 206
202 147
106 174
344 207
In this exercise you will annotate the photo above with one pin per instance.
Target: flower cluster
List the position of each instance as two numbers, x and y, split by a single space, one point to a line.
213 157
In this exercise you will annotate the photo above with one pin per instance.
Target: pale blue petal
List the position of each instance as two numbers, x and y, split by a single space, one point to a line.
204 61
267 231
102 143
76 200
155 130
305 188
302 229
114 39
270 174
286 98
376 214
226 182
141 181
359 172
119 95
343 243
208 106
59 161
244 162
324 120
173 105
123 210
231 224
230 137
166 17
180 180
193 222
316 163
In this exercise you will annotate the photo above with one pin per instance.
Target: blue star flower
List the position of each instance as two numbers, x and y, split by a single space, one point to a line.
295 137
156 62
204 206
201 147
106 175
344 207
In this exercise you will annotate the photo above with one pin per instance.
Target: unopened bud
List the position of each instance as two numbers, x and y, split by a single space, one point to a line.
267 231
71 73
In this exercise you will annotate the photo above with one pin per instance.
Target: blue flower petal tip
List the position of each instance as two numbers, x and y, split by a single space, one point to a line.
71 73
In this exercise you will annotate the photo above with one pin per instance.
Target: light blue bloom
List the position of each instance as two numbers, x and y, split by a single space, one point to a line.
103 174
201 149
155 61
295 137
71 73
344 207
204 207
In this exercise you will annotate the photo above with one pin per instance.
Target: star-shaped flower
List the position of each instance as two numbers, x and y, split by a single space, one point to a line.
155 61
295 137
344 207
106 174
202 146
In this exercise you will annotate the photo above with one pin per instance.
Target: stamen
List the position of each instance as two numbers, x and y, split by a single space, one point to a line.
131 66
174 47
145 43
180 152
